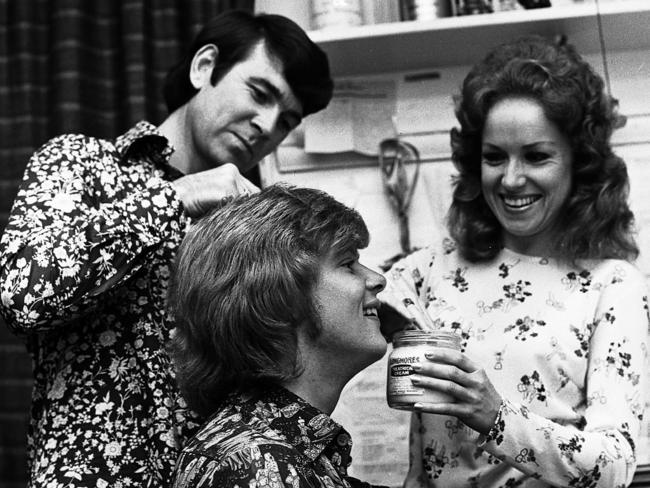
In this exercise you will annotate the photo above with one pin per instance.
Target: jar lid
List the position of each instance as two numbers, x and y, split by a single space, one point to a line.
419 336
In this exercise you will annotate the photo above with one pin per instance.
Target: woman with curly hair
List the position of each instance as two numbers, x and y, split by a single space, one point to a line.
538 282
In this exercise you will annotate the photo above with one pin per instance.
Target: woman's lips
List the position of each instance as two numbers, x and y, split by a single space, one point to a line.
519 202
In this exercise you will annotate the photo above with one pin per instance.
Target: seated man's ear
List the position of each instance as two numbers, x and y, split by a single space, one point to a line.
204 61
392 321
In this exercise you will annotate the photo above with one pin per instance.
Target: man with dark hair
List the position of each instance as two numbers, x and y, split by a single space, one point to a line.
275 314
84 260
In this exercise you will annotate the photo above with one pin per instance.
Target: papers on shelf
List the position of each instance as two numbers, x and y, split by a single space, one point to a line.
357 118
418 107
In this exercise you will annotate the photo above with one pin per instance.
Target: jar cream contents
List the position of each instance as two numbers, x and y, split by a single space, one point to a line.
409 346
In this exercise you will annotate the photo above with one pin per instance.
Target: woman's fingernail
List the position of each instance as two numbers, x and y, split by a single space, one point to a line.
415 379
416 367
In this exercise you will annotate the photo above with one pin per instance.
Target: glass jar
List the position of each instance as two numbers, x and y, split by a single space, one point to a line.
335 13
409 346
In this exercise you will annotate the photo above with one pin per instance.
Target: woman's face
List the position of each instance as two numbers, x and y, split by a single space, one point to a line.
525 173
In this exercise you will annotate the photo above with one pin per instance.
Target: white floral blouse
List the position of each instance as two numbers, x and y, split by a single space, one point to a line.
84 265
566 349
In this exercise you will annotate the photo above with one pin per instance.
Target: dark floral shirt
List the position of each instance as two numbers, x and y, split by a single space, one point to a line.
267 439
84 265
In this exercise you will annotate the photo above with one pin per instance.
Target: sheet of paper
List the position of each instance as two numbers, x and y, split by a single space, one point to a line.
425 103
357 119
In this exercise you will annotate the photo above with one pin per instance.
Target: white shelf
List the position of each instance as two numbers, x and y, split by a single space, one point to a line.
453 41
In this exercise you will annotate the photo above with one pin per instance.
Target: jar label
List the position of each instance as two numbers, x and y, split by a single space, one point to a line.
399 382
409 349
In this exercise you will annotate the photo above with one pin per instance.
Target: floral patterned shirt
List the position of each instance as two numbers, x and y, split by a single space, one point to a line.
269 438
566 349
84 265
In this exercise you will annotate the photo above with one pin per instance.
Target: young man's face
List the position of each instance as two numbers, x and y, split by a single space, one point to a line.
244 116
346 300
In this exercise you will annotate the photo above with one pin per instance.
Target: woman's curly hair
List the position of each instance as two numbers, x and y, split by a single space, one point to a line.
596 222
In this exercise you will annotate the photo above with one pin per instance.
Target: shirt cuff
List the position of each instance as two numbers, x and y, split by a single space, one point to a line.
496 432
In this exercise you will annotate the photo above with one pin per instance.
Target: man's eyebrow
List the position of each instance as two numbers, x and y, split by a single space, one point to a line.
275 91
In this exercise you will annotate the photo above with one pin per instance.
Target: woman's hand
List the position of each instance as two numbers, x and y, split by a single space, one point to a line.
476 401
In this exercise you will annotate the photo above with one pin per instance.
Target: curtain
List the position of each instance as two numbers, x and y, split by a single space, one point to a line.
91 66
87 66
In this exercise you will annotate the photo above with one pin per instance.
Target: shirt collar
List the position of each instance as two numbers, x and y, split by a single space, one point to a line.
307 428
143 140
141 130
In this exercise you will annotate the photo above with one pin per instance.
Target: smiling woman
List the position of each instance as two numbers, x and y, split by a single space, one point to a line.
536 282
574 103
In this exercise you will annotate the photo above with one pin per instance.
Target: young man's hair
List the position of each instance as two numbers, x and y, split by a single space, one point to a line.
236 33
242 284
596 222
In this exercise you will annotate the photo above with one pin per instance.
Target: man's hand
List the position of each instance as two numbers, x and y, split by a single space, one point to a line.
201 191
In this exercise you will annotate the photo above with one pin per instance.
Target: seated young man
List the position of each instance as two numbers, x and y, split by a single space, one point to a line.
275 315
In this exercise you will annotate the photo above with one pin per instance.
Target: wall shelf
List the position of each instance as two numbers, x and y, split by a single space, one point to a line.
453 41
